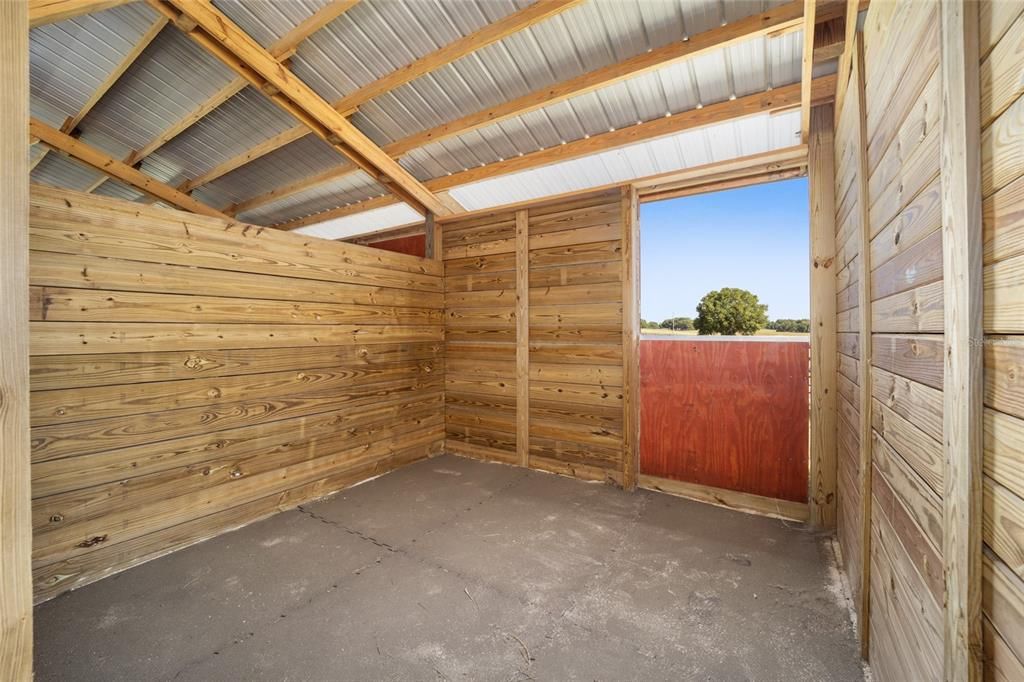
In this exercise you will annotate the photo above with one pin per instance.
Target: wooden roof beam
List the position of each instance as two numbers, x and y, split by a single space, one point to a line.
717 38
49 11
517 21
282 48
104 163
222 38
779 99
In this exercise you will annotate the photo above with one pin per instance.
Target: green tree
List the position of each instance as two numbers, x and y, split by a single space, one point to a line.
677 323
647 324
730 311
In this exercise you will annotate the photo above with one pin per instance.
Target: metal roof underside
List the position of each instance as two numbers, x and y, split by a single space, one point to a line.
174 77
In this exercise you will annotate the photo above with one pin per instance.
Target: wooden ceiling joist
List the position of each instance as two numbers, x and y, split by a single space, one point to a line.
717 38
222 38
513 23
779 99
49 11
108 165
281 48
788 161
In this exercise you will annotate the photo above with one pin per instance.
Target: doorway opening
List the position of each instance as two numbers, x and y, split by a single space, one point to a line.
724 347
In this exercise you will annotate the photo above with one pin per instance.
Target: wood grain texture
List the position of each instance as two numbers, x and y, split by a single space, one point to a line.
726 414
822 455
1003 420
963 329
192 375
15 527
535 325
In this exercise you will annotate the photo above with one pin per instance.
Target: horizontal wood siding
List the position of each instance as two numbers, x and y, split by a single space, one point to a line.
903 106
190 376
1002 84
573 338
848 407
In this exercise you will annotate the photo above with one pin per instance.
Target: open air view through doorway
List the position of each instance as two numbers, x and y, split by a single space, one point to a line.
724 347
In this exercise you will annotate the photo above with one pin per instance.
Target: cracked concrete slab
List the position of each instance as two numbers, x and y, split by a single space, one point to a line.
456 569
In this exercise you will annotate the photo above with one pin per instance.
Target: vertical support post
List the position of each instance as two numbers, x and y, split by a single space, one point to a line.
523 337
964 336
432 233
630 336
15 519
857 80
823 448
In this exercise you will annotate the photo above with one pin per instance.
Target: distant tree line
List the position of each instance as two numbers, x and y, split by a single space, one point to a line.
730 312
785 325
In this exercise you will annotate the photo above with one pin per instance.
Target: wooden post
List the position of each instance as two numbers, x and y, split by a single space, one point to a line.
864 339
630 336
432 240
823 449
962 373
15 517
523 337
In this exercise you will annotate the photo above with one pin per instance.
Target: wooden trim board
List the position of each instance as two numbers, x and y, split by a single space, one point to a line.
15 512
730 499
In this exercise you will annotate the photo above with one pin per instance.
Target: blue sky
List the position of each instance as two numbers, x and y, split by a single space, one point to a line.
753 238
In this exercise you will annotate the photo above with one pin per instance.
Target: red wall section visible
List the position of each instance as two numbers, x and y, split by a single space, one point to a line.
728 414
416 245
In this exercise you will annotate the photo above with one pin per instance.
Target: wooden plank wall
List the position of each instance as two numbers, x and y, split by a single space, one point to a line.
189 376
903 104
848 408
568 268
1002 123
887 178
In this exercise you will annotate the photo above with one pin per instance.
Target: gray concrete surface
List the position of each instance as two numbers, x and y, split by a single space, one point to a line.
452 569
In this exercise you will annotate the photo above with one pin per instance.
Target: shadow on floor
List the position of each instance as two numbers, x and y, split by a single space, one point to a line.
455 569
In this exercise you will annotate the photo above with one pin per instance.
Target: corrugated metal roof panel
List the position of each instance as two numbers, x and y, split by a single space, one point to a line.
377 37
732 139
230 129
714 77
349 189
302 158
170 79
268 21
57 170
119 190
363 223
69 60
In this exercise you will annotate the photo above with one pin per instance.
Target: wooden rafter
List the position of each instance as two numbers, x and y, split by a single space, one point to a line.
222 38
807 69
517 21
778 99
281 48
49 11
72 122
104 163
699 44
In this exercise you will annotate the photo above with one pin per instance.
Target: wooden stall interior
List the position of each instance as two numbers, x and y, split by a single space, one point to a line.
170 371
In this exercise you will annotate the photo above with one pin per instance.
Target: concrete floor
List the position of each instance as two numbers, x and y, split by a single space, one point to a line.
455 569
